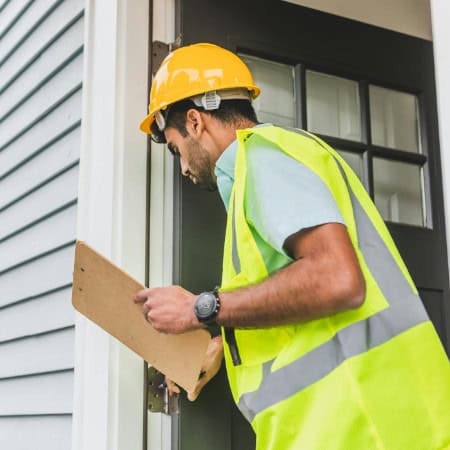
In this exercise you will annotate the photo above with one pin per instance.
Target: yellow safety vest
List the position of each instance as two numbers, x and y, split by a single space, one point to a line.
374 378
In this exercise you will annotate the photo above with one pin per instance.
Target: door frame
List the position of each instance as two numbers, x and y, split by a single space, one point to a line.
440 15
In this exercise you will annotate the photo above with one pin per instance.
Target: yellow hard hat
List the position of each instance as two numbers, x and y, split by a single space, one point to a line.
198 69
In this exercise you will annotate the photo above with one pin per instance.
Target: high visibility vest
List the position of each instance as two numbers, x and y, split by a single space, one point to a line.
373 378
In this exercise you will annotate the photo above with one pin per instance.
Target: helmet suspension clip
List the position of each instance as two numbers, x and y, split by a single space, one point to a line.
210 100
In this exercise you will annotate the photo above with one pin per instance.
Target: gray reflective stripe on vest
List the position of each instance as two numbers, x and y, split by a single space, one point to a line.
404 312
234 250
230 335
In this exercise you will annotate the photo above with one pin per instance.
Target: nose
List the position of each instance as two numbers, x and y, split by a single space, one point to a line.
184 168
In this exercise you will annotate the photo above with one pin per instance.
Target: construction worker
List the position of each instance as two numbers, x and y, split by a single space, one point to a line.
326 342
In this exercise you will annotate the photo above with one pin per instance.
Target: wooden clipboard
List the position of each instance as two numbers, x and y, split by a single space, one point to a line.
103 293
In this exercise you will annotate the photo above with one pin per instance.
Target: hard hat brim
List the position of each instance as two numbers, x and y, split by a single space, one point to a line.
146 124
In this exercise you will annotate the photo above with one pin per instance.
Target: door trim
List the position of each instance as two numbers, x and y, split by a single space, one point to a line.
159 426
440 12
107 413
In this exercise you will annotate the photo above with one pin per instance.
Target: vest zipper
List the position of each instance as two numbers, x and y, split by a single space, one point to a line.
230 337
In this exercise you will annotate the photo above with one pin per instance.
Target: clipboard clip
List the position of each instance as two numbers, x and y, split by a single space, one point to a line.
158 398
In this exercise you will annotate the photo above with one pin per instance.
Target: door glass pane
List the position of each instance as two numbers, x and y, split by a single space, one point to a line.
332 106
398 191
354 160
276 103
394 119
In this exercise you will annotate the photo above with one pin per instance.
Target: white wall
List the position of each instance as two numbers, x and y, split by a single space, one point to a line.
41 62
406 16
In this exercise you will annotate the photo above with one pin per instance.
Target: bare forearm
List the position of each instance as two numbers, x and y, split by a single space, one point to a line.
324 279
308 289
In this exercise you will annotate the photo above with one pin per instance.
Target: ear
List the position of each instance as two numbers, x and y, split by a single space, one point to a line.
195 125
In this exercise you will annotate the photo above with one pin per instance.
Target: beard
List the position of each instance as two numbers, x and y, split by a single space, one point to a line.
200 167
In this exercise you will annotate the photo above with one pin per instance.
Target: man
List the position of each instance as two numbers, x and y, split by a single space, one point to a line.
326 343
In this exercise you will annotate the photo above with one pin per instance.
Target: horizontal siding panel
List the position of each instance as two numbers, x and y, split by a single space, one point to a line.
33 42
41 61
46 273
47 96
38 433
30 18
53 232
53 195
38 354
11 11
41 394
46 163
54 311
27 78
38 136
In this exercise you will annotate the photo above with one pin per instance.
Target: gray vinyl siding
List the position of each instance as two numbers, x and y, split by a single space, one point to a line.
41 63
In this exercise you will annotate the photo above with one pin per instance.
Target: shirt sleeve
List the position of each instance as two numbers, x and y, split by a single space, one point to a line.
284 196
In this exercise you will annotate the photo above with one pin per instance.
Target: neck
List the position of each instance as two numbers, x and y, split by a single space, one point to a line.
221 135
227 134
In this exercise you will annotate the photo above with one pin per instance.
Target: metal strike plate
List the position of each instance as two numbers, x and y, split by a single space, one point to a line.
160 50
158 398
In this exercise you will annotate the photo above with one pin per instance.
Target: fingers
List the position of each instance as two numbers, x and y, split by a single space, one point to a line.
172 387
203 379
142 296
168 309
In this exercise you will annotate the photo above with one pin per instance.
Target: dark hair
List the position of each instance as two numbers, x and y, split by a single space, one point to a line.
230 112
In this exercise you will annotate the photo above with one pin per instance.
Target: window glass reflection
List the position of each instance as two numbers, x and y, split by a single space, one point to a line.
276 103
398 191
333 106
394 119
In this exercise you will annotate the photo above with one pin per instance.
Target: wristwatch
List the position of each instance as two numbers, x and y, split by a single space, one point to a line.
207 306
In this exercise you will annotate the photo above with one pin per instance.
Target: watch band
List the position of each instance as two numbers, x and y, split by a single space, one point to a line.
214 329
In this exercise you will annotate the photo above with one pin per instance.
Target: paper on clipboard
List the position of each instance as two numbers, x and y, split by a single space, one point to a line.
103 293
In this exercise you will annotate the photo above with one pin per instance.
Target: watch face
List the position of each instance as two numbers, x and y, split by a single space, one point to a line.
205 306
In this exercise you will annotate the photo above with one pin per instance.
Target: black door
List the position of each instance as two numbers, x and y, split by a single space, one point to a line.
370 93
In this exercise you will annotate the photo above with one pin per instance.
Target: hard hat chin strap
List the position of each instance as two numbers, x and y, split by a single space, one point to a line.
211 100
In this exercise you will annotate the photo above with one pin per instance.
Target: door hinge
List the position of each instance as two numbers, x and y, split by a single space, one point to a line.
158 398
160 50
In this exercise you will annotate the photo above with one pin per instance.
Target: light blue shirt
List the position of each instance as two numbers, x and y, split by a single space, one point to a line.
285 196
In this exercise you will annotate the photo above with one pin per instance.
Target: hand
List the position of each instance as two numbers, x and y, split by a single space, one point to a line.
169 309
210 367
